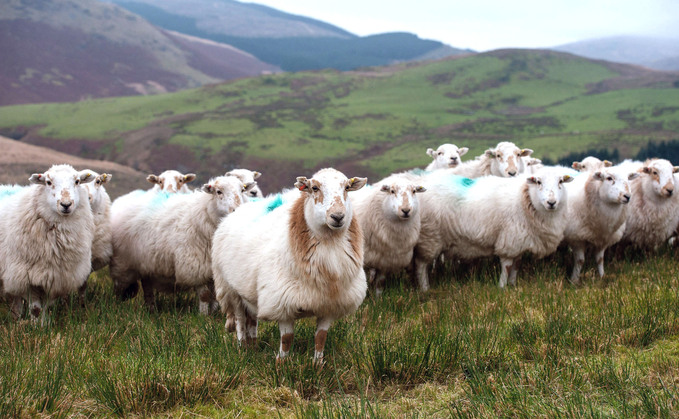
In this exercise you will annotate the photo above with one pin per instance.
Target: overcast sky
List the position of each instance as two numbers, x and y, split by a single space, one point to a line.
490 24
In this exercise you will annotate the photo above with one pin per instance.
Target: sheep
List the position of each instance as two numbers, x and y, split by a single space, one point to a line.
471 218
171 181
47 231
597 207
313 247
504 160
248 176
591 164
100 204
389 216
654 212
165 240
446 156
532 165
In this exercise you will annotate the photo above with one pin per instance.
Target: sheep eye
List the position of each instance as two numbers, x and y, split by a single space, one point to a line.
393 192
609 178
98 182
315 188
655 173
77 182
440 153
49 183
219 192
539 182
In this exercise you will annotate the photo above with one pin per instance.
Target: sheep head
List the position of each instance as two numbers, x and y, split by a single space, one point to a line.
60 186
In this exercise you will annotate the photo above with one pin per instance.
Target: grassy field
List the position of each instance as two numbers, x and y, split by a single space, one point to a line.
375 121
543 349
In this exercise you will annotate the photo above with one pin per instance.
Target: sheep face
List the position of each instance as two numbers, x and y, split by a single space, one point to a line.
227 192
506 159
661 173
96 190
547 189
447 155
171 181
60 186
401 203
591 164
248 176
615 187
328 206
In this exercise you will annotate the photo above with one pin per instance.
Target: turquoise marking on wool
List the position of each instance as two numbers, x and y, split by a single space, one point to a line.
275 203
160 198
418 172
9 190
466 182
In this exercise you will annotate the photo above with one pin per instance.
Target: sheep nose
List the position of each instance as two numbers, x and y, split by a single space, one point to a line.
406 212
627 197
512 173
66 205
453 158
551 203
669 192
337 217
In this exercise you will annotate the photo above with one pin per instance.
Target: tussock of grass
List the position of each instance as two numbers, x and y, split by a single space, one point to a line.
467 349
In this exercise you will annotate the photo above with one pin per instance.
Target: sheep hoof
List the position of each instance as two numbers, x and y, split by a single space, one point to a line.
318 363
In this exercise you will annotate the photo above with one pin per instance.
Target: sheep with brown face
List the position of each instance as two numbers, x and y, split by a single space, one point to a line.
313 248
47 231
504 160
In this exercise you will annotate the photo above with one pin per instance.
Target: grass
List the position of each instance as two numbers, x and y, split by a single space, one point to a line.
543 349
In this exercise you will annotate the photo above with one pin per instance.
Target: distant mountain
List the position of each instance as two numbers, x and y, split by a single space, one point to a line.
657 53
291 42
68 50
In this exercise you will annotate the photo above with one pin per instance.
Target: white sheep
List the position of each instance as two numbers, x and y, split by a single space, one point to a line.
506 217
653 215
46 231
100 203
165 240
248 176
301 259
389 216
532 165
597 206
591 164
446 156
171 181
504 160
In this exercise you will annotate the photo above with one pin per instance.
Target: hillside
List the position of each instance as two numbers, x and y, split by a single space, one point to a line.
18 161
294 43
370 122
68 50
657 53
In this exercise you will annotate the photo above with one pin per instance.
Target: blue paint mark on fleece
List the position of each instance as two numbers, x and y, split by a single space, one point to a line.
275 203
9 190
418 172
160 198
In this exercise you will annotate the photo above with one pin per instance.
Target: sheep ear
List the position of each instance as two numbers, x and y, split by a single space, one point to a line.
153 179
490 152
37 178
577 165
567 178
526 152
356 183
676 169
189 177
248 186
385 188
303 184
645 169
598 176
419 189
633 176
86 176
208 188
607 163
256 175
532 179
431 151
462 151
105 177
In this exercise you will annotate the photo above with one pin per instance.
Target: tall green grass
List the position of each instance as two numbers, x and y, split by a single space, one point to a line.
468 349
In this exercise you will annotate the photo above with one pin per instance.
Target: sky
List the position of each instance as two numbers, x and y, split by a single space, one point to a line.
484 25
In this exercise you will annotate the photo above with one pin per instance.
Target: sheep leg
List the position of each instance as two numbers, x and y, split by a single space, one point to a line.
578 261
149 297
422 275
35 306
600 262
205 299
380 280
514 269
240 320
17 308
251 328
505 267
287 329
322 326
82 294
371 275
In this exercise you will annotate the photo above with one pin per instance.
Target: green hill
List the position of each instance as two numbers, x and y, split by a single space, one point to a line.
370 122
